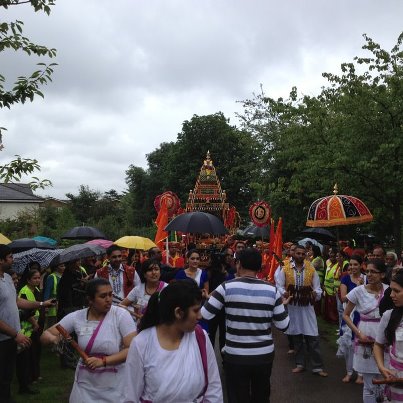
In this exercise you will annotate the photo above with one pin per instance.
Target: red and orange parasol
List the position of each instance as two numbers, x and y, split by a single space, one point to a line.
336 210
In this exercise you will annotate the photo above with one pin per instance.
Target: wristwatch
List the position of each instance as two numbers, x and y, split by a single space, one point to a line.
41 303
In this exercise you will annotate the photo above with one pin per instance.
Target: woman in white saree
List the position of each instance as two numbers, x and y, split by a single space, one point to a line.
104 332
171 359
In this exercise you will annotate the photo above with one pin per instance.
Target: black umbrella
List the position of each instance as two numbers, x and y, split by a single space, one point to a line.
319 234
84 233
20 245
197 222
77 252
253 231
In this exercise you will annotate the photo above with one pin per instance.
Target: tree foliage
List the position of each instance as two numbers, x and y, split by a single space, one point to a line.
350 134
175 166
23 88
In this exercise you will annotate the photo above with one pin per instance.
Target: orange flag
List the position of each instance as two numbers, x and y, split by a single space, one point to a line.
162 222
266 269
277 249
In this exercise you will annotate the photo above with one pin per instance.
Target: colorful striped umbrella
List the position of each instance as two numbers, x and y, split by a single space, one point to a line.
335 210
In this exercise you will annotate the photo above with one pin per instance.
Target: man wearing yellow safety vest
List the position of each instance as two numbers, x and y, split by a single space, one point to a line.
10 328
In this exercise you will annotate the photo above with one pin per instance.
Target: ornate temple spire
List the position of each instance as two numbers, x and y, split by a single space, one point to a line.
207 194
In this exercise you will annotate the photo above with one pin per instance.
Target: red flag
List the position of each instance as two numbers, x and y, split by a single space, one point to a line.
277 250
162 222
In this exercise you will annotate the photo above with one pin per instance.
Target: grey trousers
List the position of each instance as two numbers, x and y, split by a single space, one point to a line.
313 348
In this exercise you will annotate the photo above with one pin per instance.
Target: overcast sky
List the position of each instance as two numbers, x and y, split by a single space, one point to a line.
130 72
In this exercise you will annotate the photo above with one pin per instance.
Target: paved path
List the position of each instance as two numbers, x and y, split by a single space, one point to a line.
305 387
287 387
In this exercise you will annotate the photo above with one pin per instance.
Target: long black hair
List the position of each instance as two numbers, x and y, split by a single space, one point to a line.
396 315
161 307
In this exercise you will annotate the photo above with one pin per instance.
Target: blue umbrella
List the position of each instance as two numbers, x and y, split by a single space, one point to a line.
19 245
50 241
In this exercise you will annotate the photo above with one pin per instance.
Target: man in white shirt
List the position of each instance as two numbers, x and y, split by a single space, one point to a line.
122 278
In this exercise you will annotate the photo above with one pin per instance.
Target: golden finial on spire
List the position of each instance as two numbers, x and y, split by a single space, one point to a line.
335 189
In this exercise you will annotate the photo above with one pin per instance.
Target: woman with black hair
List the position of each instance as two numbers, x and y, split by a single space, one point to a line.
346 348
139 296
104 332
171 359
390 333
365 299
194 272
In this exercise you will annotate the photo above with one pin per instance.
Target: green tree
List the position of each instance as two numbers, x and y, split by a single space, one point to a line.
53 221
83 205
175 166
24 88
350 134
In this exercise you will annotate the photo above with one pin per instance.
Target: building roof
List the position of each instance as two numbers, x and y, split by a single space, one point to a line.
18 192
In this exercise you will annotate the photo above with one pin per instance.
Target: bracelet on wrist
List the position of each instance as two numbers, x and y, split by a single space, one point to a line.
104 361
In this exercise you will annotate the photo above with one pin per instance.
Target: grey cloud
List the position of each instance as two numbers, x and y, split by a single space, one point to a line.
131 72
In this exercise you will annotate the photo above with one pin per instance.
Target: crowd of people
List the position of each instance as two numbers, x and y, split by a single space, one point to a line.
147 322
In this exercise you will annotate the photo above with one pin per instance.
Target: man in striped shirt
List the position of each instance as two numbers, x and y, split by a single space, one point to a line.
251 305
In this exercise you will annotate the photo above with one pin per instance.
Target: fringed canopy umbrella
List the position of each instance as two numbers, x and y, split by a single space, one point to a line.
331 211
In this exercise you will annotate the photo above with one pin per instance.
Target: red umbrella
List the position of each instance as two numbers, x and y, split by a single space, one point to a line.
335 210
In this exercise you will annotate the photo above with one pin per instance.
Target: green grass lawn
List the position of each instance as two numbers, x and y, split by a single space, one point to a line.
327 331
55 386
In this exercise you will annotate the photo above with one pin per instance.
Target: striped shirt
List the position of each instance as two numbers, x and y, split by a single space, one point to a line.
251 305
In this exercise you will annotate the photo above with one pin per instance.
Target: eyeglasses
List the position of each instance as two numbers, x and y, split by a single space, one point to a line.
373 272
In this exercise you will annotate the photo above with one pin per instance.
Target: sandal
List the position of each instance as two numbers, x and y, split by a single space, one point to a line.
297 370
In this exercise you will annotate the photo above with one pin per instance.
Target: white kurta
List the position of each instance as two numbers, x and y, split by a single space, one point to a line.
138 295
161 376
302 318
367 305
99 385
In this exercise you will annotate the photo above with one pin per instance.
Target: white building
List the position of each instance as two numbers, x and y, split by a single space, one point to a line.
16 198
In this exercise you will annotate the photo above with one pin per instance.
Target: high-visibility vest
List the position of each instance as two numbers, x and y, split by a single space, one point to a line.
52 311
26 327
83 271
320 270
329 278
